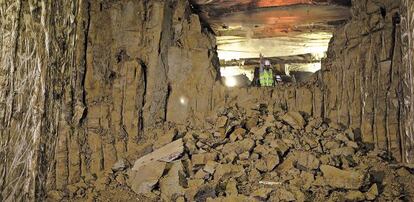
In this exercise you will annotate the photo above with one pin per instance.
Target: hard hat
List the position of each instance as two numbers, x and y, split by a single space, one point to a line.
267 62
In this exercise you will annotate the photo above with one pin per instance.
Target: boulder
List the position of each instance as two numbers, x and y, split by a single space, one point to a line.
354 196
166 153
262 193
372 193
294 119
120 165
307 161
342 179
143 180
172 184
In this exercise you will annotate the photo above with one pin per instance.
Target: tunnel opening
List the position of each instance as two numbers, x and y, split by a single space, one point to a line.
292 37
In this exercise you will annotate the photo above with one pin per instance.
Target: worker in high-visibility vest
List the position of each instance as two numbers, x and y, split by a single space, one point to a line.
268 74
262 76
270 77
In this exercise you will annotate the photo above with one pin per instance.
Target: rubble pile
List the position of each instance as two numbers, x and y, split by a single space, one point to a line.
255 154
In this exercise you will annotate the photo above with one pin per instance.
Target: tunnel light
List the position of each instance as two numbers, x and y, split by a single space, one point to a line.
183 100
230 82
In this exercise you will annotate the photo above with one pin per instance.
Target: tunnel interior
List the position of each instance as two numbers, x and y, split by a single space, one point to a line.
155 100
293 35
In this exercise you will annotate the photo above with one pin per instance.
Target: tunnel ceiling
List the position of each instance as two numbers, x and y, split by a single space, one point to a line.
245 28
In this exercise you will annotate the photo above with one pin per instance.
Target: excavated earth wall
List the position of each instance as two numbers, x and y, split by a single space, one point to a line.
83 82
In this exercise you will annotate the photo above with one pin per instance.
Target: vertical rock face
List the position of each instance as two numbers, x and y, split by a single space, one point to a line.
81 80
407 24
362 74
41 102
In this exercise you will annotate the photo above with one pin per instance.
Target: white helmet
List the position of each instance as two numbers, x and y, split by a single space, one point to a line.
267 62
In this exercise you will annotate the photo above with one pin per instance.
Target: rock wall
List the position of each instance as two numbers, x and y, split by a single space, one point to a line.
41 69
83 81
407 27
363 74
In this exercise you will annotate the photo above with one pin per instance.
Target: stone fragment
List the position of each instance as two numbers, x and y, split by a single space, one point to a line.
354 196
231 188
143 180
203 158
259 132
307 180
280 146
262 193
165 138
120 165
201 174
342 137
294 119
403 172
227 170
315 123
307 161
120 179
71 190
284 195
331 145
254 176
251 123
237 134
195 182
345 151
352 144
261 165
55 195
271 161
210 167
244 155
205 192
180 199
166 153
245 145
221 122
172 184
372 193
343 179
231 198
197 159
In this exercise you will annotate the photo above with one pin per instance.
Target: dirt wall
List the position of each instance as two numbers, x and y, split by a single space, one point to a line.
82 81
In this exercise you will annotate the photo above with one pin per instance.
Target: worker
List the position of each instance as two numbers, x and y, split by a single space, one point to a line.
256 77
262 75
270 77
268 74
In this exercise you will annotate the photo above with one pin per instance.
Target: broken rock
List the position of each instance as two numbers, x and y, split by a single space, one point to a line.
307 161
166 153
171 184
262 193
372 193
143 180
120 165
343 179
294 119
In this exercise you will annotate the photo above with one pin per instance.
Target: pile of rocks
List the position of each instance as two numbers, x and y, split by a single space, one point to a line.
257 155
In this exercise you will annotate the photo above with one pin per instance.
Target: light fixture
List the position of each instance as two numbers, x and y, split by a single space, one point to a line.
230 81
